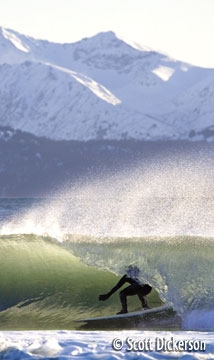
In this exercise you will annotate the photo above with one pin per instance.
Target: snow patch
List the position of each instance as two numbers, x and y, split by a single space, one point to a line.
164 72
96 88
99 90
184 68
14 40
158 97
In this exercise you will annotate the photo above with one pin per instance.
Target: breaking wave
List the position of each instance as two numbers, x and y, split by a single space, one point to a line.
59 255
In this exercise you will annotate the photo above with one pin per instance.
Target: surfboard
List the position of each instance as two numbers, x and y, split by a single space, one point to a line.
128 315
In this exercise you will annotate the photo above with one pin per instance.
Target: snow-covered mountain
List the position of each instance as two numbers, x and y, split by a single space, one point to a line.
101 87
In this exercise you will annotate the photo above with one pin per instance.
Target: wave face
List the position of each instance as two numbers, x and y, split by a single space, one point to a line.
43 286
47 284
58 254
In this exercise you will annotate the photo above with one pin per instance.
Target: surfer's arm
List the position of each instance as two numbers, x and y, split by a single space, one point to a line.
114 289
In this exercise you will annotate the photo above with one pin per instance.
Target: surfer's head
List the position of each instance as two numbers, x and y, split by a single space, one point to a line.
133 271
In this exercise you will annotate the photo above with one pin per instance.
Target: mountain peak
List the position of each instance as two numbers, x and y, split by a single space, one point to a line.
109 35
105 88
104 38
105 35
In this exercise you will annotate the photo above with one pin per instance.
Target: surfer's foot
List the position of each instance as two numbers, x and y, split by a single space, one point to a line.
146 307
122 312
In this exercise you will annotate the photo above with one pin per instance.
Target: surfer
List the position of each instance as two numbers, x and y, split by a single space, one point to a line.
135 288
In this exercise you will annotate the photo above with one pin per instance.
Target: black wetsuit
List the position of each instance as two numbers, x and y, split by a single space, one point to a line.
135 288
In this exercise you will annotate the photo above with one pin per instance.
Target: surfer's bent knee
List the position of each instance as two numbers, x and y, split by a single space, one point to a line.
122 293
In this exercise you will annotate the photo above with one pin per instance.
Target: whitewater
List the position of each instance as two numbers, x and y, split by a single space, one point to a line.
58 254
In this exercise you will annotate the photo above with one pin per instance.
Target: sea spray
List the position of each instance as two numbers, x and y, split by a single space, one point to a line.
169 197
157 216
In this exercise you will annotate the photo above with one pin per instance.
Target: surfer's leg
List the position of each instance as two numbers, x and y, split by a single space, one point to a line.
123 302
130 290
143 301
143 291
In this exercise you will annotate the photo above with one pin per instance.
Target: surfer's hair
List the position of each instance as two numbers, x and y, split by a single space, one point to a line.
133 270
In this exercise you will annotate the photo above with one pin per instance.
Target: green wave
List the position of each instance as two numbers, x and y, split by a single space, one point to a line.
43 285
47 284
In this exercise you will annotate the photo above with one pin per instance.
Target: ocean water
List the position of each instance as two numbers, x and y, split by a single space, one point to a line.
48 283
98 345
58 254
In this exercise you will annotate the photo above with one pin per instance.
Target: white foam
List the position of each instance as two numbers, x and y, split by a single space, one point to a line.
94 345
199 320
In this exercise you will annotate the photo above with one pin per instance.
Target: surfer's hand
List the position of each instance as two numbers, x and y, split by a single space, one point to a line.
103 297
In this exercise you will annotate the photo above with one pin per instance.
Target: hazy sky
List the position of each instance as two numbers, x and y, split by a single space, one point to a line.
182 28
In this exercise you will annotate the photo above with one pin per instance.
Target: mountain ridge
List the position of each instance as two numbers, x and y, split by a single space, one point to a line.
124 92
